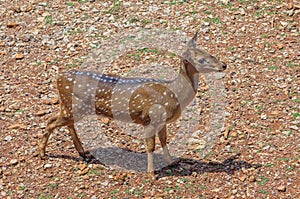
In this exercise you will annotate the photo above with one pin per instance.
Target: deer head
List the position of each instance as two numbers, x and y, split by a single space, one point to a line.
200 59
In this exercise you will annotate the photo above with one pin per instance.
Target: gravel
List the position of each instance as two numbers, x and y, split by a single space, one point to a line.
256 154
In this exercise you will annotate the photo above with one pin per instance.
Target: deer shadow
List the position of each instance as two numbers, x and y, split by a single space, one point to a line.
132 161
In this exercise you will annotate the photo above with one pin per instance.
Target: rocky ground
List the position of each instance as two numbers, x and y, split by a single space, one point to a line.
257 155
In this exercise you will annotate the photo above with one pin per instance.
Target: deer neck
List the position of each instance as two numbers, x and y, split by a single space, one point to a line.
185 85
191 74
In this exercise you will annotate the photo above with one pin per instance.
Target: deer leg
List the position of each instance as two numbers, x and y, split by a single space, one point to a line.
150 142
163 141
77 142
53 123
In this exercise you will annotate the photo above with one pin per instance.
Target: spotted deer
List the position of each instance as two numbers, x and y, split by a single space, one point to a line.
152 103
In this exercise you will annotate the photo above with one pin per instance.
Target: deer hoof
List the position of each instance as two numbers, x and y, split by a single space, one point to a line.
151 175
41 152
43 156
87 156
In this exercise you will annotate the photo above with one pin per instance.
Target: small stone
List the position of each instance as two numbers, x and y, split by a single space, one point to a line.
233 134
280 46
8 138
294 127
234 191
47 102
252 179
19 56
274 112
17 9
33 143
48 59
243 178
84 171
283 23
242 11
11 24
13 162
47 166
17 126
290 5
105 183
25 8
3 193
54 100
263 117
42 112
82 167
217 190
281 188
225 1
226 132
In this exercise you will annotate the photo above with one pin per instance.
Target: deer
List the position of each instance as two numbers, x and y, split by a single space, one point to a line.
152 103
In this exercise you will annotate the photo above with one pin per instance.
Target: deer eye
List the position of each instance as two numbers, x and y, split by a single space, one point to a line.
202 60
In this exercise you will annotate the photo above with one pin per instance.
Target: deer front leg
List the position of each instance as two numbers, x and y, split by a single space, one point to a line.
150 142
150 131
163 141
76 141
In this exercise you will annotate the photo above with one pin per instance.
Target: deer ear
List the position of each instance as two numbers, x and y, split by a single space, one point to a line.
192 43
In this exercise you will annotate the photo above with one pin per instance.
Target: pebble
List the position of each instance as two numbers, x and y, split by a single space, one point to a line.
42 112
47 102
11 24
105 183
19 56
70 20
243 178
84 171
234 191
47 166
13 162
294 127
263 117
252 179
281 188
8 138
3 193
17 126
233 134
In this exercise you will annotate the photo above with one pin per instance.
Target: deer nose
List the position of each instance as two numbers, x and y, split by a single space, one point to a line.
224 66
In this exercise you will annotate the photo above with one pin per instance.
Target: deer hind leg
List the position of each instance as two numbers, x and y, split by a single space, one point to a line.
163 141
58 121
77 142
53 123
